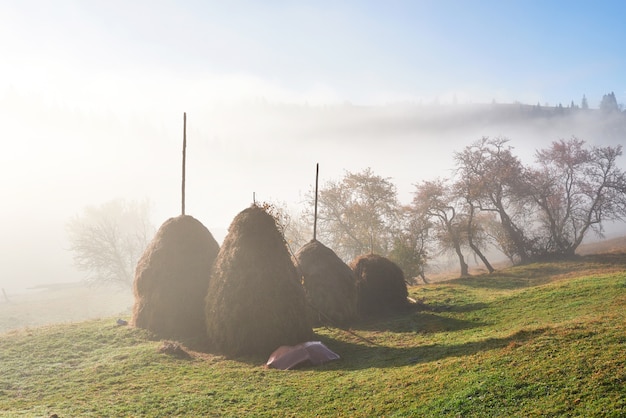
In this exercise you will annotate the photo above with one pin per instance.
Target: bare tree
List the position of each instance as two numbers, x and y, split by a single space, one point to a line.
294 226
576 188
107 241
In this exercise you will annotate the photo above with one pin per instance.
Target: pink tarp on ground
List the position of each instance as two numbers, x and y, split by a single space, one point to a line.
288 357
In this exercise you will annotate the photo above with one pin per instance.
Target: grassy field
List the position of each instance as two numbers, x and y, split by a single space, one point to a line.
538 340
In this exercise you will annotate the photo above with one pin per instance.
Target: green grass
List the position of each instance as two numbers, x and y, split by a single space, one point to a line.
539 340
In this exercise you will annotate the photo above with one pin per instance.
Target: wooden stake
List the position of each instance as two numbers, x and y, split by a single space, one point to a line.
317 173
184 159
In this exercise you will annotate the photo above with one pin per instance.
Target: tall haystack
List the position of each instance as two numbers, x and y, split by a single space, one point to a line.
255 302
381 287
172 278
329 283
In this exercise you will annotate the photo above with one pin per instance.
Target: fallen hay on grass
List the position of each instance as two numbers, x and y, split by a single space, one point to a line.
175 349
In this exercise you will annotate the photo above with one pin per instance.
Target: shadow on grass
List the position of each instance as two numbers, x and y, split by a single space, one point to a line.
612 258
503 281
424 322
360 356
415 321
468 307
539 273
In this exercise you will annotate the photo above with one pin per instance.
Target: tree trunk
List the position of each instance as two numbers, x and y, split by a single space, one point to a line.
464 267
482 257
515 236
470 238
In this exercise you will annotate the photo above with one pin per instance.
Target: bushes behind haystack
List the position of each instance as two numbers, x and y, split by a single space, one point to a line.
172 278
255 302
381 287
329 283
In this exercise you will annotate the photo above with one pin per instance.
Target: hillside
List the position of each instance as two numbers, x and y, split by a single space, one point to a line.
614 245
544 339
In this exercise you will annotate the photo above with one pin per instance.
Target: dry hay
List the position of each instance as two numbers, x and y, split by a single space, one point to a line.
175 349
172 278
255 302
329 283
381 287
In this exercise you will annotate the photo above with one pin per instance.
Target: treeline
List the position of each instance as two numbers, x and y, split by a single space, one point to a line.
492 201
603 118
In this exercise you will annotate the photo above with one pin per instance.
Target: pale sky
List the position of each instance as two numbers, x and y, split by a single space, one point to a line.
92 95
362 51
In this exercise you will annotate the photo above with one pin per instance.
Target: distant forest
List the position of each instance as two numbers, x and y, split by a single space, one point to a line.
604 120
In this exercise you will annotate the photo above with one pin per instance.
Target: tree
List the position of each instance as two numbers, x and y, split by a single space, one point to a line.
583 103
357 215
107 241
577 188
495 233
295 227
476 235
495 183
435 201
410 245
609 103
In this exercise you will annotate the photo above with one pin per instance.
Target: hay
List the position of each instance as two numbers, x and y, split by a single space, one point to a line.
255 302
329 283
381 288
175 349
172 278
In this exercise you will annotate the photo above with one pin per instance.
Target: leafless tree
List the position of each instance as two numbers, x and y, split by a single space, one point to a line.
295 227
107 240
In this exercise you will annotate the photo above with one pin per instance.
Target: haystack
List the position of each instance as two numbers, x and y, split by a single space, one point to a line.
381 287
172 278
329 283
255 302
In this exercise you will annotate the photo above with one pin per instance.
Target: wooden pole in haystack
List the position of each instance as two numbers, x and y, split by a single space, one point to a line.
184 159
317 173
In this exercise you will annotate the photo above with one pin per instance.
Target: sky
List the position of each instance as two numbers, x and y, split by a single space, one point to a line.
92 95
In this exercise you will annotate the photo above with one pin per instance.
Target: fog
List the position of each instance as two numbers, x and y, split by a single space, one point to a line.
57 159
92 97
